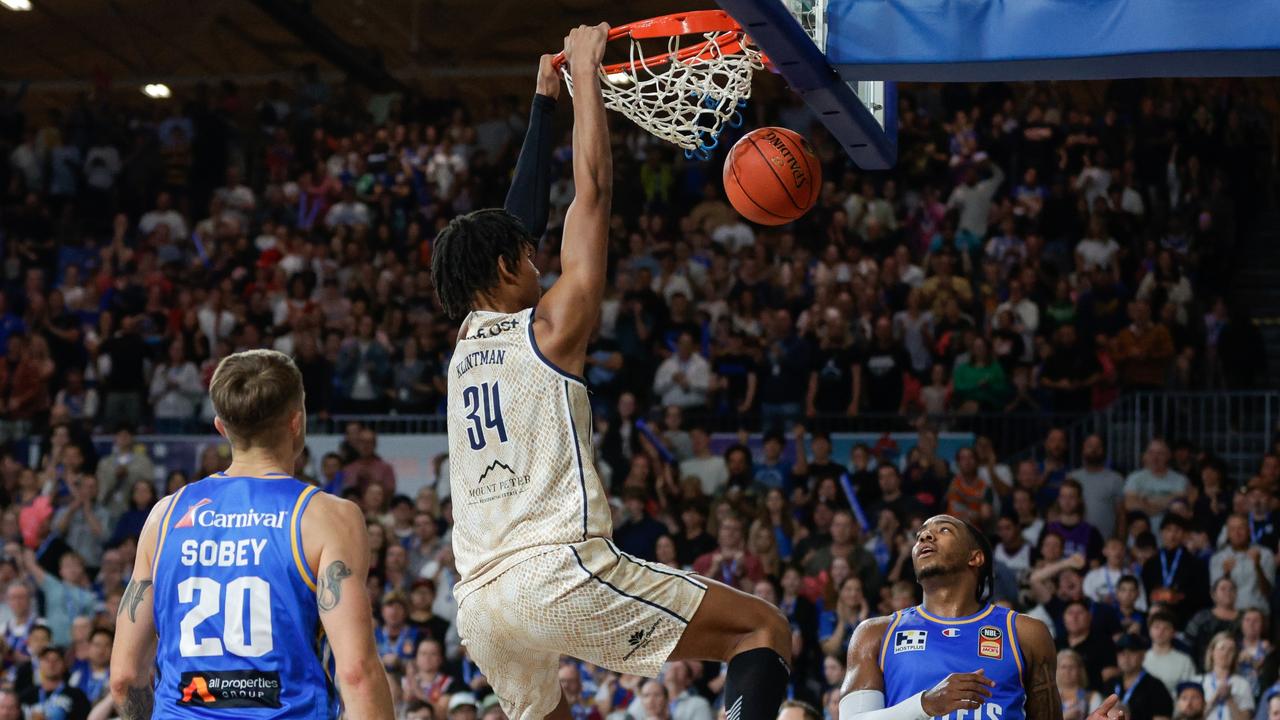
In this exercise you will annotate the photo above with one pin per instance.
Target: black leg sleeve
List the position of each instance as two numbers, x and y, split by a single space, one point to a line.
529 198
756 685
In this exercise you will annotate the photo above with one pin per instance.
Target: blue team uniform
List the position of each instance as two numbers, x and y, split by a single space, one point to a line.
235 605
919 651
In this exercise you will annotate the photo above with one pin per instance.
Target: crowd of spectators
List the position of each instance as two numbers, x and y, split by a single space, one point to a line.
1028 255
1036 251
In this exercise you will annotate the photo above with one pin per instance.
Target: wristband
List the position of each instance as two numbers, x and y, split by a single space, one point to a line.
869 705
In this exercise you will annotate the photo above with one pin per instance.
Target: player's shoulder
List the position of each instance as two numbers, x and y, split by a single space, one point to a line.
1025 623
873 629
1033 634
162 508
327 507
868 637
331 521
148 539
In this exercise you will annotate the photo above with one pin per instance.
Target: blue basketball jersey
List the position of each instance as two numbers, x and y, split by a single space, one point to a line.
919 651
235 605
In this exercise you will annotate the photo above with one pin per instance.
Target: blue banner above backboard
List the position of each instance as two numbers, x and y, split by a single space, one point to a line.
991 40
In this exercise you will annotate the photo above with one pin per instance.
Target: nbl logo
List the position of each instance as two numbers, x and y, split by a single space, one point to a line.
990 643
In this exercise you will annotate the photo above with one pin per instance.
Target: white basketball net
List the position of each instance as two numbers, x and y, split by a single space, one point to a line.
685 102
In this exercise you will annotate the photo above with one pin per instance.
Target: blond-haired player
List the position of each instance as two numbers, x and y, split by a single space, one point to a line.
246 580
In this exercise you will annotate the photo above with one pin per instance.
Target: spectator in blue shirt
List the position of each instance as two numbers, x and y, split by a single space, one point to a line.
395 638
772 471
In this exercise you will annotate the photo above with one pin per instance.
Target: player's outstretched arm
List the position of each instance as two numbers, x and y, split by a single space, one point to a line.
337 527
529 198
134 653
862 693
571 306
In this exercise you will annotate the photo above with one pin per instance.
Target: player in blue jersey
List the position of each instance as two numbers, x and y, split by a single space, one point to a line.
248 594
955 656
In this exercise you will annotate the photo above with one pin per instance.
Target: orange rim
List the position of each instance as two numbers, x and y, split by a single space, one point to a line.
698 22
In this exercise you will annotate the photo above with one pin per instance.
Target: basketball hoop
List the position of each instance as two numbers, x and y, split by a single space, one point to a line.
688 94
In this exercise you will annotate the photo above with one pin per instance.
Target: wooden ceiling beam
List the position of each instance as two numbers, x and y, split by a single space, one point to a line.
88 38
165 38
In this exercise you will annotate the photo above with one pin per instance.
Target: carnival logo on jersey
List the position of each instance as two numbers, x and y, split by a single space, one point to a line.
230 689
909 641
950 633
188 518
209 517
990 642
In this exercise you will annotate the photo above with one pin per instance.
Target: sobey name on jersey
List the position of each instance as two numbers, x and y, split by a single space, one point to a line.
222 553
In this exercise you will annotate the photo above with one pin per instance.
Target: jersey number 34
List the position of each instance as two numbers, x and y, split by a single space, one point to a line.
478 399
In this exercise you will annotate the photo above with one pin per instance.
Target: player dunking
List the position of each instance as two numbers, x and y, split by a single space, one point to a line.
238 574
955 656
540 576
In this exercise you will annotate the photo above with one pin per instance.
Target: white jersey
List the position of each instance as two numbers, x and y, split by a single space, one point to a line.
521 463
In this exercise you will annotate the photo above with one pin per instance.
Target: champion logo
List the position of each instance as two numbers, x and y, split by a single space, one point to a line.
188 518
950 633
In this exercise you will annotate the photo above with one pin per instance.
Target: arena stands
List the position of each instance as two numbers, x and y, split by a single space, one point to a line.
1041 253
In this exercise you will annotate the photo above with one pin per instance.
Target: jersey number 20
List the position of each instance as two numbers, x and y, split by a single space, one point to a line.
473 398
206 593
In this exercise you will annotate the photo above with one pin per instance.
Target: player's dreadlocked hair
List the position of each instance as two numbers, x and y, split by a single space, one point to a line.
464 260
986 573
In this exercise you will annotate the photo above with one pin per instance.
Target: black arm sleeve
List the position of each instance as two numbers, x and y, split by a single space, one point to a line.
529 198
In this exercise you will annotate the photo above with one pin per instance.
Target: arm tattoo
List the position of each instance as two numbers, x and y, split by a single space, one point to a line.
133 596
138 702
331 585
1043 702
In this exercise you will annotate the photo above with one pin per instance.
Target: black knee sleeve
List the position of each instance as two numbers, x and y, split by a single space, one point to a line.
756 685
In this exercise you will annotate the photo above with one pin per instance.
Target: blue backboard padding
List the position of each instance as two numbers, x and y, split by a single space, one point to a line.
807 72
988 40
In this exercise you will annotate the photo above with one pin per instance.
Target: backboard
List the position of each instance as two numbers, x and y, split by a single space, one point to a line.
860 114
844 56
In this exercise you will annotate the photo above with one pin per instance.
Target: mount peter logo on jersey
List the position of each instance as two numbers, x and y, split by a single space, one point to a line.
909 641
230 689
494 466
200 514
499 480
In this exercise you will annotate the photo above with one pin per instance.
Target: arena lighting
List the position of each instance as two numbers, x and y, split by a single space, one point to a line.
158 91
16 4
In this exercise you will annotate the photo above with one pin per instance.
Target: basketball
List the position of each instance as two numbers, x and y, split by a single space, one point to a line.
772 176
